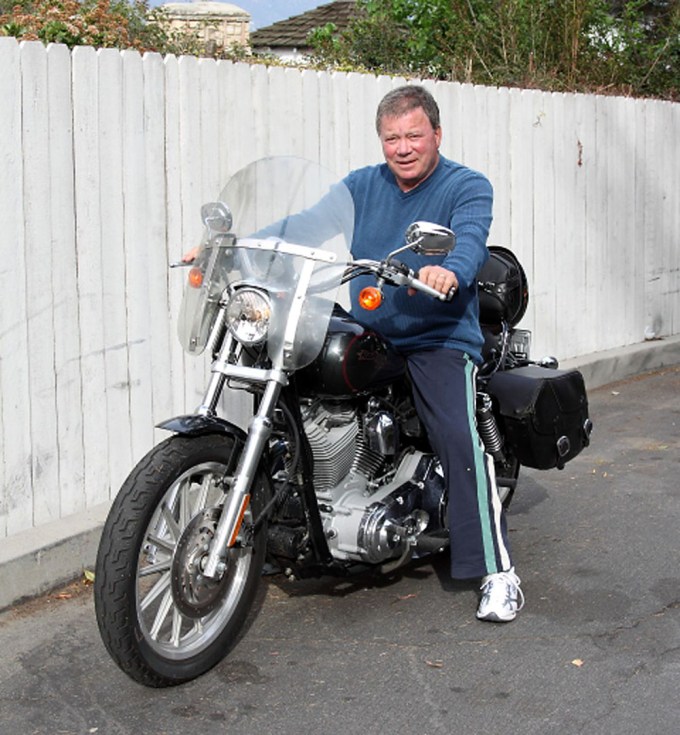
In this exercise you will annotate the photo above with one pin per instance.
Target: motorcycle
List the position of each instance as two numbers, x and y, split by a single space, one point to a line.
334 473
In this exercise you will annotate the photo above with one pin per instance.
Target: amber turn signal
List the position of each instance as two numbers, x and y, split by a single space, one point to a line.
195 277
370 298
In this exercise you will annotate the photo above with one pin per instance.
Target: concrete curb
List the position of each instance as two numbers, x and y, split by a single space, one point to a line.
40 559
43 558
602 368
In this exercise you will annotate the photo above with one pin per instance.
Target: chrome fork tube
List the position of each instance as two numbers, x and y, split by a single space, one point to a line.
217 380
238 498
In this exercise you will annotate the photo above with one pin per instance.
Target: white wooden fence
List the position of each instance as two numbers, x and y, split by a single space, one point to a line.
105 158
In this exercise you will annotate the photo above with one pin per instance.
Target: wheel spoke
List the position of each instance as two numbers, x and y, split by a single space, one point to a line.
184 513
161 524
170 520
161 586
162 543
202 496
161 615
176 627
156 568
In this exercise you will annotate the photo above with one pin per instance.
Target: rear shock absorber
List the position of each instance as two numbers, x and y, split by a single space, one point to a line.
488 428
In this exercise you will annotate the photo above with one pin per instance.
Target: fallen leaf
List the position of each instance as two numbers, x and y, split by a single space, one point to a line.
89 575
578 662
406 597
435 664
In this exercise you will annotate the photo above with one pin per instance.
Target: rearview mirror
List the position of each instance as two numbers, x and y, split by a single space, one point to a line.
217 217
430 238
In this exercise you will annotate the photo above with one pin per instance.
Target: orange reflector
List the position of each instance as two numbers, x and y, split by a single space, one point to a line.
370 298
239 521
196 277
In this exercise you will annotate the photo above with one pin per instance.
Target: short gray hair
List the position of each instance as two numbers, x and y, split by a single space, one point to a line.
404 99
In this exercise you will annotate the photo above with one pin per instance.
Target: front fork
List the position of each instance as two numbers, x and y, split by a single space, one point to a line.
229 525
259 431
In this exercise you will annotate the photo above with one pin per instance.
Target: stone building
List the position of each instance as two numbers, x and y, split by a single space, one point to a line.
217 24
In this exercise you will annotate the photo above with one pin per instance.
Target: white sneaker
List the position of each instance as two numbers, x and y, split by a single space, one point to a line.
502 597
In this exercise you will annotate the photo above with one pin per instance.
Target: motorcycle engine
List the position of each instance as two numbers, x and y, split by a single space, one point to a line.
373 505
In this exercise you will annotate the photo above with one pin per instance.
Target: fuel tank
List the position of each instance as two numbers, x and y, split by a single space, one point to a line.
353 360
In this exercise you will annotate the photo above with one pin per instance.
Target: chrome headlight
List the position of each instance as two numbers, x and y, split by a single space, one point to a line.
248 315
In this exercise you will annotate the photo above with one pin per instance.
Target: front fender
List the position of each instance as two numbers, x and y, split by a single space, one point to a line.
195 425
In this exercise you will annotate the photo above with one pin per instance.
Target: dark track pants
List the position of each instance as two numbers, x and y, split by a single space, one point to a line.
445 397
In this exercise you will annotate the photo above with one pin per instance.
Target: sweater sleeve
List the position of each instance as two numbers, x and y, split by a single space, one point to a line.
470 221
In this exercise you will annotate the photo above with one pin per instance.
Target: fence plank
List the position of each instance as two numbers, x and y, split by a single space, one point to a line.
67 347
283 103
673 209
569 224
669 237
86 155
39 298
16 501
620 152
176 244
136 253
311 120
261 112
547 275
110 104
237 130
362 99
576 207
521 194
497 135
449 99
211 180
160 328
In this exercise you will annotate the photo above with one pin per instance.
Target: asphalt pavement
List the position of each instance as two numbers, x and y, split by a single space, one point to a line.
596 649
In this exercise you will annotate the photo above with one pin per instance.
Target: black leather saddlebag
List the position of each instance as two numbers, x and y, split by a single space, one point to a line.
543 414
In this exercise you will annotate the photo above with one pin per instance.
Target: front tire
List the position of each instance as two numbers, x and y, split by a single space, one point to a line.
162 621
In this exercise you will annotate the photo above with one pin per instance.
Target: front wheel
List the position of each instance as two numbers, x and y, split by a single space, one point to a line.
161 620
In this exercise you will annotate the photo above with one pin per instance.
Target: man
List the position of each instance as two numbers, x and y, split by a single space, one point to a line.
441 341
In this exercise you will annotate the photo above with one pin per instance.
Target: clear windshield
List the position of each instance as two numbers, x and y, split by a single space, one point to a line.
290 236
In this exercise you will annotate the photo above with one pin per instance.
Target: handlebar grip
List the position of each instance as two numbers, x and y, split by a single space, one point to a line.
420 286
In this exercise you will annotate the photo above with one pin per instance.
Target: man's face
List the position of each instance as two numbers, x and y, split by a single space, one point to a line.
411 147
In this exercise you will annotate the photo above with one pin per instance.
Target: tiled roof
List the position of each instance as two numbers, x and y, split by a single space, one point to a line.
292 32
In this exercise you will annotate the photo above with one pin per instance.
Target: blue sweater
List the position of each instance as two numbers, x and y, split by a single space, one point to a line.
454 196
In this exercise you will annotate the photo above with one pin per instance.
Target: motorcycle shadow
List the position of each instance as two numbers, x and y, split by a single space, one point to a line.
344 586
530 493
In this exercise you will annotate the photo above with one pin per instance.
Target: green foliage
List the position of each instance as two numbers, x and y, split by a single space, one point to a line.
577 45
100 23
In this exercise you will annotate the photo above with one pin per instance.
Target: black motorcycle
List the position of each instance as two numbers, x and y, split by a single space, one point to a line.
333 474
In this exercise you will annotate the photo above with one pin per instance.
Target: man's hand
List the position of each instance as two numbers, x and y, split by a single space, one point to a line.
437 277
190 255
